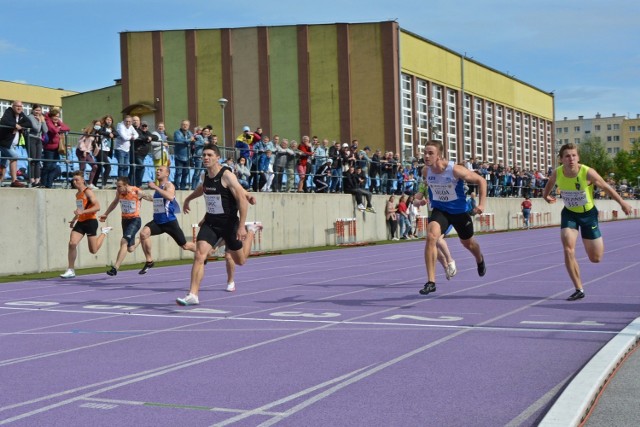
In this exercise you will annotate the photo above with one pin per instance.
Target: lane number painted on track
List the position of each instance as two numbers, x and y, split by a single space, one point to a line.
31 303
425 319
324 315
111 307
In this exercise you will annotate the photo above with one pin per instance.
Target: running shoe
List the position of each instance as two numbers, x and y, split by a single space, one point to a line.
106 230
428 288
482 269
147 266
231 287
361 207
371 209
69 274
112 271
190 299
578 294
451 270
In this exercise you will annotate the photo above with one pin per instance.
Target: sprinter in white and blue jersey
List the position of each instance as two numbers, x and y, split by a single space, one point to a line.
445 190
165 208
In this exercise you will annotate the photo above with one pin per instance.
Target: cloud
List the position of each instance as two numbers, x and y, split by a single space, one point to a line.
7 47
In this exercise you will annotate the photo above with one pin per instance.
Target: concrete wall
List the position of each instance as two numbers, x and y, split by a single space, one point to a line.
34 229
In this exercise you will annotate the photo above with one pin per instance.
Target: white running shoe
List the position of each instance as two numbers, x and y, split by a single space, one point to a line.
92 187
361 207
451 270
395 238
69 274
231 287
190 299
254 227
106 230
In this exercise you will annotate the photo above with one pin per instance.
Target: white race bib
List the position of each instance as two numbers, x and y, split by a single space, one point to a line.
128 206
443 192
214 204
574 198
158 205
79 204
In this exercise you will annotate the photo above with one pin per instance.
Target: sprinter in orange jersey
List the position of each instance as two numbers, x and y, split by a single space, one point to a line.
129 198
84 222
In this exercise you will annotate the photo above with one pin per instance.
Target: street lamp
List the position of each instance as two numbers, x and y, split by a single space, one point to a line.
223 103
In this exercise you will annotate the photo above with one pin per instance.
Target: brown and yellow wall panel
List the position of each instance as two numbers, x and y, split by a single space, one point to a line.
140 66
429 61
283 82
367 85
174 67
324 85
245 102
209 79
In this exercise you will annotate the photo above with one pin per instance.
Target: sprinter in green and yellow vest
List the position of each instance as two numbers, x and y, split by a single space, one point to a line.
576 182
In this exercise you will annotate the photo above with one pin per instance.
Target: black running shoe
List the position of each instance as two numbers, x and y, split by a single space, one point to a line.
147 266
578 294
428 288
112 271
482 269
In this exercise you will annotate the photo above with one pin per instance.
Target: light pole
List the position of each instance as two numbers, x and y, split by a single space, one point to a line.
223 103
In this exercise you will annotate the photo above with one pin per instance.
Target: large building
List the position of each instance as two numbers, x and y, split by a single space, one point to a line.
615 132
29 95
387 87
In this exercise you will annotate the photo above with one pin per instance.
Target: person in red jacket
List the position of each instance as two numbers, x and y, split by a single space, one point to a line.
51 146
526 211
305 153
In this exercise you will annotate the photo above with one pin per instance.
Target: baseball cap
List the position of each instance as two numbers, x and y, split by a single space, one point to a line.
246 128
345 145
329 160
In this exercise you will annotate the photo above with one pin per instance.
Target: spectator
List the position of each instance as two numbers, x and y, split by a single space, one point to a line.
86 149
11 127
526 211
336 168
392 219
105 152
280 162
350 182
322 175
266 171
142 146
201 138
243 173
305 155
126 134
374 172
36 133
257 154
243 145
320 155
160 147
386 173
182 139
413 210
403 218
51 147
292 159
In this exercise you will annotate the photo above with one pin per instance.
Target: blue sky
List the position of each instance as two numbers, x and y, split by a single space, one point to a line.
585 51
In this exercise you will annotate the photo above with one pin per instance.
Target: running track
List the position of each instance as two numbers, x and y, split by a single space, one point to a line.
335 338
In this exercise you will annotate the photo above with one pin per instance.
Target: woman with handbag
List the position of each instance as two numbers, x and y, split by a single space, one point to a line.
52 146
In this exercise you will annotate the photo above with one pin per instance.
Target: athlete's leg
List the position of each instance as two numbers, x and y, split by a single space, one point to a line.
72 253
569 236
594 248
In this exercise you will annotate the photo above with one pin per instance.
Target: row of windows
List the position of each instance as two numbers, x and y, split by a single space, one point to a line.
527 143
613 126
5 105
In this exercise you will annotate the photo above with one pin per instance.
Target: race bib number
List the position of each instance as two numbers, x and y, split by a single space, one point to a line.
443 192
128 206
574 199
158 206
79 204
214 204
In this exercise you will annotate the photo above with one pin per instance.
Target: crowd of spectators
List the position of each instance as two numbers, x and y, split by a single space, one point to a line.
105 149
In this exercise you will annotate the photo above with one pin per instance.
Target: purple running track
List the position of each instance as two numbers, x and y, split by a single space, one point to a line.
336 338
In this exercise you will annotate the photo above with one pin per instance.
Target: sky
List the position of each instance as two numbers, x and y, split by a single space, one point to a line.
586 52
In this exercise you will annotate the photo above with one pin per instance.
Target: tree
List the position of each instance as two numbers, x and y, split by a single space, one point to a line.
623 167
594 154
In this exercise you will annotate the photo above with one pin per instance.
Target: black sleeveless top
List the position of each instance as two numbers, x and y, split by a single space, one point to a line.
222 208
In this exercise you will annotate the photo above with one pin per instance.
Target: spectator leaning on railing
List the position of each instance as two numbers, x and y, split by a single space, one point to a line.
53 145
11 127
126 135
182 139
36 133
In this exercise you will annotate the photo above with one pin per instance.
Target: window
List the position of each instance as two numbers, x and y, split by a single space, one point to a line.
566 130
597 127
608 127
576 129
616 126
632 128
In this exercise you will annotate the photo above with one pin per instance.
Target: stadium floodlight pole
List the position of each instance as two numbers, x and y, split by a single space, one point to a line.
223 103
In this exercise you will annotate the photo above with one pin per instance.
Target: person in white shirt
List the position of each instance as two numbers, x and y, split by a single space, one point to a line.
126 134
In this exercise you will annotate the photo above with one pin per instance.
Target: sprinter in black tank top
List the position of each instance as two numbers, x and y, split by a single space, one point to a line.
226 207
